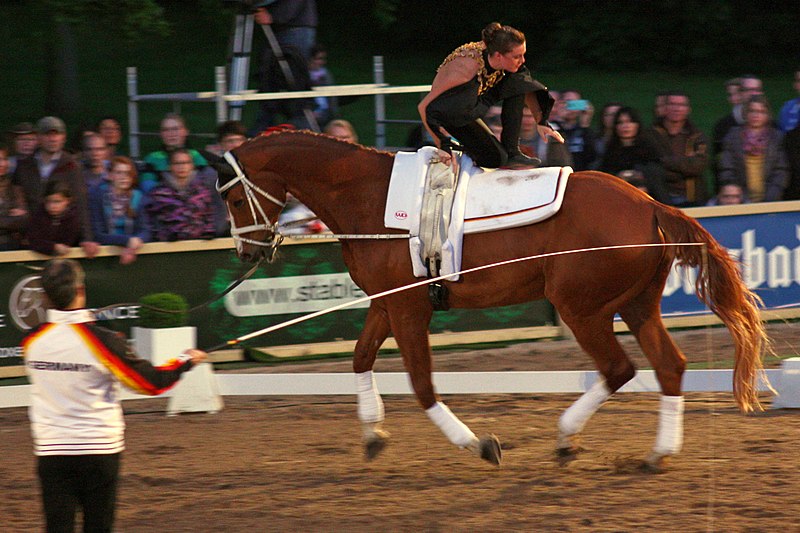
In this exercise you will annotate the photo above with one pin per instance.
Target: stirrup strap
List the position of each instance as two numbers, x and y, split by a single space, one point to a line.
437 203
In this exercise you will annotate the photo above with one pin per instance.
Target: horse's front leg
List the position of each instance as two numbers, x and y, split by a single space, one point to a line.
370 405
409 322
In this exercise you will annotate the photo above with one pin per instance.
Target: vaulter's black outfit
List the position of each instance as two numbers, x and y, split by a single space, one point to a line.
459 109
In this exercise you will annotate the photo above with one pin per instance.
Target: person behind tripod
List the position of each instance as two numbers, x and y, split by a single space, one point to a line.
293 21
291 29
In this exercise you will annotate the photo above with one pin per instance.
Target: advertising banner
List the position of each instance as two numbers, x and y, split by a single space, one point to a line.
767 245
306 277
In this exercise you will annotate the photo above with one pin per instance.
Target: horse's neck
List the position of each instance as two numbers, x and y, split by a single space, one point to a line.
347 196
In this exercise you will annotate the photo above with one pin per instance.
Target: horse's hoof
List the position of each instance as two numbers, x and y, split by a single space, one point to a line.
375 444
655 464
565 456
490 450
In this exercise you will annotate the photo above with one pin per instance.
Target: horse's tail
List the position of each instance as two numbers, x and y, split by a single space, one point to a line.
720 286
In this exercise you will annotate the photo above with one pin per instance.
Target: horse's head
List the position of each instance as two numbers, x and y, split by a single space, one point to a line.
253 210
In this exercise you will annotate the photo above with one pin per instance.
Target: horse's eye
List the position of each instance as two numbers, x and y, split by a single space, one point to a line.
238 203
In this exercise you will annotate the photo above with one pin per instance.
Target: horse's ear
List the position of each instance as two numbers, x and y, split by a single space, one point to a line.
220 165
225 172
212 158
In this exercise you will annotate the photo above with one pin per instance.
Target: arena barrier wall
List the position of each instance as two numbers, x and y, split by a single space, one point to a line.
446 383
310 276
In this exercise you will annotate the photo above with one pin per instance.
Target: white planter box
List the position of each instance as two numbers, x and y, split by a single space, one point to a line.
161 345
788 385
197 390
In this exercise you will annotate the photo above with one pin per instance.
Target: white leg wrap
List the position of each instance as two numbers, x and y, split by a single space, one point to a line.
453 428
370 405
574 418
670 426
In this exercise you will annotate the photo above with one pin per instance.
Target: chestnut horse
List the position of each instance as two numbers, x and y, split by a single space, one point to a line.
346 184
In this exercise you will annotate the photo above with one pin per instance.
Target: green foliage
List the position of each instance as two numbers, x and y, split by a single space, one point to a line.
131 19
175 305
386 12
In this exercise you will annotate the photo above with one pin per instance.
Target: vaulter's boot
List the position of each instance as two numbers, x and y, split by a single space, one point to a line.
511 117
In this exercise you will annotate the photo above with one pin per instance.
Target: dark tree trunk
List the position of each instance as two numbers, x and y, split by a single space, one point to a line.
62 96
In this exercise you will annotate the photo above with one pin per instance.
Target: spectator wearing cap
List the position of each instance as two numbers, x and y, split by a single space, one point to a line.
49 162
23 144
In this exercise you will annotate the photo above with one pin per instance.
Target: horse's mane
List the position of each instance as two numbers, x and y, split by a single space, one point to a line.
323 136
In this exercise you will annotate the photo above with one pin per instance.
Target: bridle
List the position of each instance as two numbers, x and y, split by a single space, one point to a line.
256 210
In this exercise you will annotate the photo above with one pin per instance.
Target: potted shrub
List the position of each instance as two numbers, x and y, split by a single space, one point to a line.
161 336
175 313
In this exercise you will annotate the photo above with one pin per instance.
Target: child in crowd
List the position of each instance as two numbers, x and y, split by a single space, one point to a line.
56 226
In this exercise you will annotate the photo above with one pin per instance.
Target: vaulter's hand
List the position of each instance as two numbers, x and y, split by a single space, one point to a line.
546 131
445 157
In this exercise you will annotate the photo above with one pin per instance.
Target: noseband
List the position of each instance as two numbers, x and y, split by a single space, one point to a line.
256 210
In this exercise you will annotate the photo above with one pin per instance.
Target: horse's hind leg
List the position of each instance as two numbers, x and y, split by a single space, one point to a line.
596 336
370 405
644 319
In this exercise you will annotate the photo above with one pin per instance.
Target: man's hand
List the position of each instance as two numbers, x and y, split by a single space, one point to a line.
197 356
90 248
261 16
60 249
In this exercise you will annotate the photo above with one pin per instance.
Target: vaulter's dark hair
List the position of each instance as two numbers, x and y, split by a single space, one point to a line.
499 38
61 279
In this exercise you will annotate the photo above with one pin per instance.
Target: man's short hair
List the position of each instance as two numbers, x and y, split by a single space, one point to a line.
231 127
61 279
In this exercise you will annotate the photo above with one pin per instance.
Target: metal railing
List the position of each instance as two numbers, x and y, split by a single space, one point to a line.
379 89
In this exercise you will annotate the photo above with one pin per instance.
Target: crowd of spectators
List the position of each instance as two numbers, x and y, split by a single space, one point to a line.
753 156
53 199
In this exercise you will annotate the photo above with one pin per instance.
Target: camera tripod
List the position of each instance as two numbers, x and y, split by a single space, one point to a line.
239 68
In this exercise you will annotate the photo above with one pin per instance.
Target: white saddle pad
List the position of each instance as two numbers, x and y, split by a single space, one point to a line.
485 200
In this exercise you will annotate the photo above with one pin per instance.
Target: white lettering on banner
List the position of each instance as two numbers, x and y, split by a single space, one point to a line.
752 258
292 294
124 312
2 320
778 267
10 351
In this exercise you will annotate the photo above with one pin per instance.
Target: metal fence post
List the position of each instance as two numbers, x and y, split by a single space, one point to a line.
133 114
219 83
380 104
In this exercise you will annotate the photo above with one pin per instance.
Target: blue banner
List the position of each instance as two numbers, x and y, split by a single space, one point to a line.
768 248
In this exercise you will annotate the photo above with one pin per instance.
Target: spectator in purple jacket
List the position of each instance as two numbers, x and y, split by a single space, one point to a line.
182 206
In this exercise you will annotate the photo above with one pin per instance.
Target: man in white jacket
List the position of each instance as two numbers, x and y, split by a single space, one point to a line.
75 368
